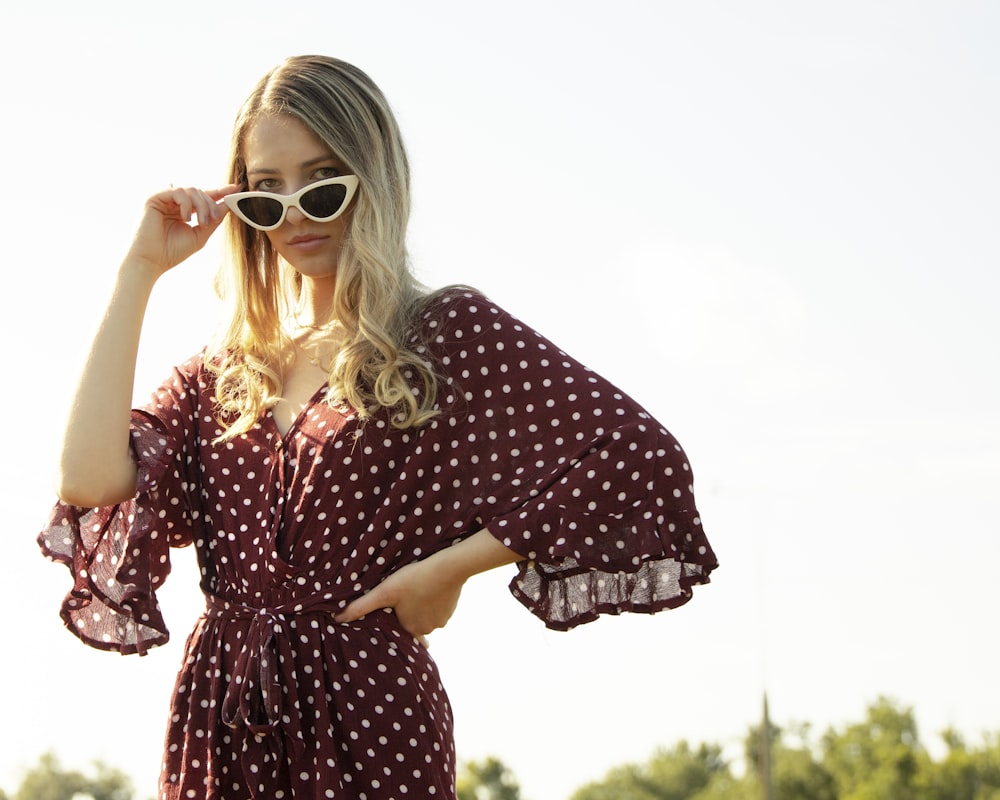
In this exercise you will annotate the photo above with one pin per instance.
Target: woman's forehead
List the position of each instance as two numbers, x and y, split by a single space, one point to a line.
281 141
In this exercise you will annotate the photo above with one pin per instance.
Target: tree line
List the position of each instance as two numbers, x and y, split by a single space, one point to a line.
878 758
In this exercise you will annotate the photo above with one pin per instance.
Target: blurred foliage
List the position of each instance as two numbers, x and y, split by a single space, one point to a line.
679 773
487 780
49 780
880 758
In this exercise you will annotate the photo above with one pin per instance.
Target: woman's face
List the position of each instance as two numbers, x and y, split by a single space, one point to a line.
282 156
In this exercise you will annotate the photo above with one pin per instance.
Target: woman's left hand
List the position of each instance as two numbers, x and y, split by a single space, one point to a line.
424 595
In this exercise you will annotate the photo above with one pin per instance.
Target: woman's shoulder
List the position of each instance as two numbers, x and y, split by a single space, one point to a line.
197 366
455 313
194 374
450 302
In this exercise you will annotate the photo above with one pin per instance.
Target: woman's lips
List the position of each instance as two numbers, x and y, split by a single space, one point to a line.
307 241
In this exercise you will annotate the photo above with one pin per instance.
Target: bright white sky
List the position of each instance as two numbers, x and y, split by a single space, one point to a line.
774 223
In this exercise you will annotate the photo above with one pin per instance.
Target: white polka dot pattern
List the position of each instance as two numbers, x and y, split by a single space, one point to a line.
275 699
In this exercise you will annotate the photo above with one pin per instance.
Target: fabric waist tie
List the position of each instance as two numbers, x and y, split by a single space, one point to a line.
254 694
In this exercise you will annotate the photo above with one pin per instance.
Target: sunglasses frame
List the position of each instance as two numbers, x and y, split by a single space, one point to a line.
349 182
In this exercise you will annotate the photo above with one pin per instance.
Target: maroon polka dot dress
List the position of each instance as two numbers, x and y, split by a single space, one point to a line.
276 700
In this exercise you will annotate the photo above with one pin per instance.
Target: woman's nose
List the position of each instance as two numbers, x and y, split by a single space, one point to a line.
294 216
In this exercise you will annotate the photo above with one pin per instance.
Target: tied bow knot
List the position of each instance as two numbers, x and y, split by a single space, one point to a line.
253 698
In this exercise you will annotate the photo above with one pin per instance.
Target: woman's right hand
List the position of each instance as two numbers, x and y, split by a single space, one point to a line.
166 236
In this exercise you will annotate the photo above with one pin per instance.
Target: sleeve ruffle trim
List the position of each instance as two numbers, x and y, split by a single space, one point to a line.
118 556
598 565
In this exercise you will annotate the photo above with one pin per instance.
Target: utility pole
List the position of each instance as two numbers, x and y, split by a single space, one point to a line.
767 785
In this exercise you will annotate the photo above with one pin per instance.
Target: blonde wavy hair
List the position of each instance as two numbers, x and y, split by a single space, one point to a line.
376 295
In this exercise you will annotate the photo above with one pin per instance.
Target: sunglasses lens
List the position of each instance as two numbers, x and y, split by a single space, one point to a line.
324 201
262 210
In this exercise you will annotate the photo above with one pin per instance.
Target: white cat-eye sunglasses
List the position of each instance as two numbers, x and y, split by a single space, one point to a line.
322 201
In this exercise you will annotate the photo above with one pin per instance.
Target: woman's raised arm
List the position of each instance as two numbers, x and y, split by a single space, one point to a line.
95 466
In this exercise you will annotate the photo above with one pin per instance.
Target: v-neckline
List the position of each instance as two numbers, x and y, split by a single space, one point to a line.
298 418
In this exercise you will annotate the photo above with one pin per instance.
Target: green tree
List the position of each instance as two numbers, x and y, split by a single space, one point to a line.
798 776
964 773
878 759
487 780
726 786
679 773
795 772
48 780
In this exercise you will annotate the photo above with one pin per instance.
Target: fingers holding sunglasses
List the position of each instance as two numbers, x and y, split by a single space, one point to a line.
223 191
197 207
176 223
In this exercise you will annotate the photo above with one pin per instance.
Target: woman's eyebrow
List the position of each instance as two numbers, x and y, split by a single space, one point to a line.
319 160
304 165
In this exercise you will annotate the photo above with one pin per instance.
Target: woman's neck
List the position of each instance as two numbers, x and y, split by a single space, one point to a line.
315 304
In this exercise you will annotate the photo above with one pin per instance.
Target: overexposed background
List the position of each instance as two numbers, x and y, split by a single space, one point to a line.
773 223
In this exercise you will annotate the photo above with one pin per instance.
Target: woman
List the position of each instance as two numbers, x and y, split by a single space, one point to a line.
343 460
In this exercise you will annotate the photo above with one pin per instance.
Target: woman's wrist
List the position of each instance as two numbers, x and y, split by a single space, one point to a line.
137 273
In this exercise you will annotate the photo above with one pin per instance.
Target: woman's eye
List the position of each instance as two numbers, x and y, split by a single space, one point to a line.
265 185
327 172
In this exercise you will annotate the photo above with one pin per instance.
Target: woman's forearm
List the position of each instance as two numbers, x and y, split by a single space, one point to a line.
478 553
95 466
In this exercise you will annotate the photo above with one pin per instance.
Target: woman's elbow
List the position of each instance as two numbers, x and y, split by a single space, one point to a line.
94 488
